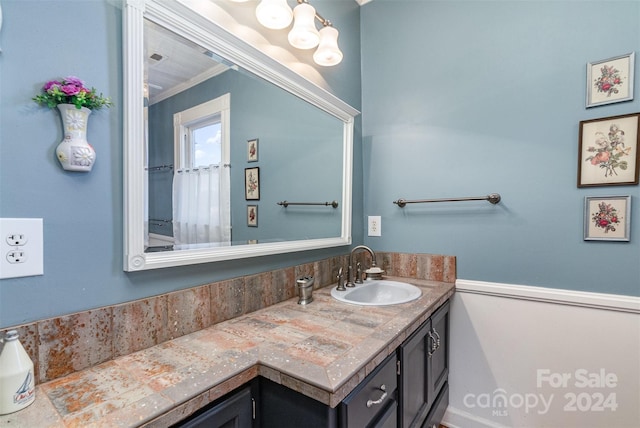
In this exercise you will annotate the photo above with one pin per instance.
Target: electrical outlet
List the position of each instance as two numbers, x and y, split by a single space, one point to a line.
16 256
21 247
375 225
17 239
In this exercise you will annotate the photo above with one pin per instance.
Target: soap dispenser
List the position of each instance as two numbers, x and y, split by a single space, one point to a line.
17 383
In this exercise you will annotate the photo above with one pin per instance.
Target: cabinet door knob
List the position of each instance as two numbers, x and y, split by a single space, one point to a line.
382 388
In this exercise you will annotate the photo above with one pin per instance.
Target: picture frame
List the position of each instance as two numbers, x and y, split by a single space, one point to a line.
607 218
610 80
252 215
608 151
252 184
252 150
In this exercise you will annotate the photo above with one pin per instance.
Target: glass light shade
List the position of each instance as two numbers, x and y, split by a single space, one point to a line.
328 52
304 34
274 14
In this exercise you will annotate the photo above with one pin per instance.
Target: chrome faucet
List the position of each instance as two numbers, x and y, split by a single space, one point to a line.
358 280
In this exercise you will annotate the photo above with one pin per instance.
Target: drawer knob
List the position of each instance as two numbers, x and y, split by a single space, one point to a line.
382 388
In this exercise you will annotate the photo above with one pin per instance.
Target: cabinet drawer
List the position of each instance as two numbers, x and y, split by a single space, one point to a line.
354 410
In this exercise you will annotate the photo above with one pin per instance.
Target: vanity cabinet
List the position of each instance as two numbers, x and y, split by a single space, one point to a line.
424 359
408 389
231 411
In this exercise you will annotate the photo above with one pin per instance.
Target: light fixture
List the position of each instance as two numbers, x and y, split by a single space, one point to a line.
277 15
304 34
274 14
328 53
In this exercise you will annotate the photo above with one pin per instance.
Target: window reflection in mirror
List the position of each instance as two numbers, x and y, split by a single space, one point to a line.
301 152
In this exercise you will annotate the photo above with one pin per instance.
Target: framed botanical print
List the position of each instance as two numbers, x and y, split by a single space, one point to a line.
252 184
610 80
607 218
608 151
252 150
252 215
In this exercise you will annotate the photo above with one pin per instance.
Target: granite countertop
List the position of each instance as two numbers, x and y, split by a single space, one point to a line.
322 350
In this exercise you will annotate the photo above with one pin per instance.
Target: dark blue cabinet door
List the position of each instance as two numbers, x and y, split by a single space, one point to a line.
233 412
414 377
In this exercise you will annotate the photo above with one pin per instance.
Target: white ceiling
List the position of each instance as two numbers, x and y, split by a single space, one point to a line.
173 64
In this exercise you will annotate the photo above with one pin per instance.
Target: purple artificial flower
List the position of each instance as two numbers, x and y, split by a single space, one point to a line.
50 84
72 80
70 90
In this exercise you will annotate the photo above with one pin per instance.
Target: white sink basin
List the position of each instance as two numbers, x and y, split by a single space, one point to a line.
378 293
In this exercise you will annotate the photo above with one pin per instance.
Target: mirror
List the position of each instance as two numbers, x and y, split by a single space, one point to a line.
213 82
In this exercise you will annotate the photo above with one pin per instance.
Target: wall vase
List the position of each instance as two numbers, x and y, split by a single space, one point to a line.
74 152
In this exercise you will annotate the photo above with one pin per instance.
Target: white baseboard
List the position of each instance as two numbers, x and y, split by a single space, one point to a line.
456 418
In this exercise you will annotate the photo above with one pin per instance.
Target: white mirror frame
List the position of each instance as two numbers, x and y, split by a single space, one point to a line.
188 23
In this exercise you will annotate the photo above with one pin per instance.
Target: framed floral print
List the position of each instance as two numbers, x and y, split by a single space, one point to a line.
252 150
607 218
608 151
252 184
252 215
610 81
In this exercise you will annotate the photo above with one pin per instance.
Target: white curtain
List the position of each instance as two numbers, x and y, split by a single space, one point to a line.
201 207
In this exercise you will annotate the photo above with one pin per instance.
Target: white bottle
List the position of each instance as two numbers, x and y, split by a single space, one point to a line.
17 383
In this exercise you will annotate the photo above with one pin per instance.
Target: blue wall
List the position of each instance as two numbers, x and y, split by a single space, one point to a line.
82 213
465 98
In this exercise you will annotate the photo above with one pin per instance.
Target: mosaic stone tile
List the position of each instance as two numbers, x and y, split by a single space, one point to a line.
249 327
404 265
326 271
146 412
86 396
319 350
139 325
450 272
283 337
158 365
258 293
310 324
188 311
210 342
227 300
288 365
280 314
430 266
269 373
178 413
283 284
353 361
74 342
233 383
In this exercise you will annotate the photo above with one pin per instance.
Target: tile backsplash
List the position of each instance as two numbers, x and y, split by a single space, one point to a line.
74 342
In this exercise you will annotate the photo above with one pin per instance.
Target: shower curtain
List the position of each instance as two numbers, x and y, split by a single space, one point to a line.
201 207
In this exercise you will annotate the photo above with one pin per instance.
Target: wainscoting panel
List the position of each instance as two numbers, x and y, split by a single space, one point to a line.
531 357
